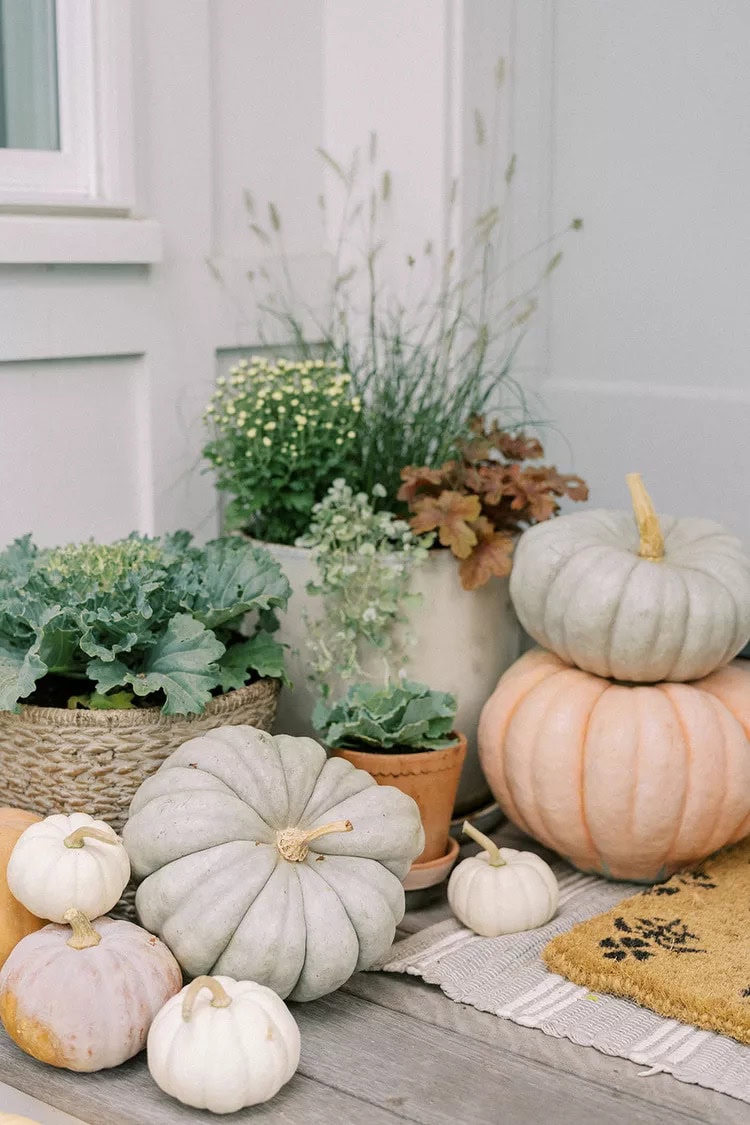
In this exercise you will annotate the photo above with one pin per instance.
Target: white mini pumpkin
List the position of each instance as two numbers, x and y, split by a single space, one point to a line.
223 1044
262 860
645 601
68 861
501 890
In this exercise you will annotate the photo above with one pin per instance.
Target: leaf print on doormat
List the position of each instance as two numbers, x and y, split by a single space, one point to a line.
681 949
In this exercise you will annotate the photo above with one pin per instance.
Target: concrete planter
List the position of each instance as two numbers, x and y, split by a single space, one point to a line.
464 641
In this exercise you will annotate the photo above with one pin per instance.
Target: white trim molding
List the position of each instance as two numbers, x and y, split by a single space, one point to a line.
48 239
73 205
93 164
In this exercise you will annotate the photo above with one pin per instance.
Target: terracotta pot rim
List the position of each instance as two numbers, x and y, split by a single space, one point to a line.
419 757
453 850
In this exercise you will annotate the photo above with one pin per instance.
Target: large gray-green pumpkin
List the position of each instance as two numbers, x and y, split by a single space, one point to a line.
643 601
261 860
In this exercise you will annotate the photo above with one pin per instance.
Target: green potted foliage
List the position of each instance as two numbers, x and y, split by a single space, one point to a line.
404 734
111 656
280 432
392 388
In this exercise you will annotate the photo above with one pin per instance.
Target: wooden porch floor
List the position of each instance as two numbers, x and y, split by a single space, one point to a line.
389 1048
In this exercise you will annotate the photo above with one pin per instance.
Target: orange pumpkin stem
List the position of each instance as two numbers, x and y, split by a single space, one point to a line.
493 851
647 521
84 935
220 998
89 832
292 842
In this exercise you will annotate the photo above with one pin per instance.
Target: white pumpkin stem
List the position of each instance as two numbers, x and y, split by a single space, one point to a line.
647 521
89 832
292 842
84 935
220 998
493 851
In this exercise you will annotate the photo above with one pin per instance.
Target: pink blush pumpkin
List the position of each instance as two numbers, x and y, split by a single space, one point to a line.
631 782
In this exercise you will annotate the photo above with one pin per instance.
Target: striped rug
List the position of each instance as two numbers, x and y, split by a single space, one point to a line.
507 977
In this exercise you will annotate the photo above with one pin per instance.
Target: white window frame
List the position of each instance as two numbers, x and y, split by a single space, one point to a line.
93 167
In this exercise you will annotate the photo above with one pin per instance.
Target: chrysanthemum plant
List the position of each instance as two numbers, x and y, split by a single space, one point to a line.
281 432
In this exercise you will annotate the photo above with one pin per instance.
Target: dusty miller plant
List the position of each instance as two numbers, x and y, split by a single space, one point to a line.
365 560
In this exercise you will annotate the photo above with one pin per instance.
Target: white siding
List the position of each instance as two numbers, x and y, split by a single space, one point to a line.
628 113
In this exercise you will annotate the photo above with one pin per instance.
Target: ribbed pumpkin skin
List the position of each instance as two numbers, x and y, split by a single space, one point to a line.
203 836
86 1009
15 920
580 589
629 782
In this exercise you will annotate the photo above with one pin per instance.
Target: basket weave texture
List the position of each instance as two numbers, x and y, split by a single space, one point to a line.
53 760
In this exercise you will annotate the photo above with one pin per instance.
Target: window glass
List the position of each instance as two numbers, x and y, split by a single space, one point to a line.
29 117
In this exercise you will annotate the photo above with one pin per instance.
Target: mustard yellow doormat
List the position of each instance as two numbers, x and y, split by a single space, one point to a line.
681 948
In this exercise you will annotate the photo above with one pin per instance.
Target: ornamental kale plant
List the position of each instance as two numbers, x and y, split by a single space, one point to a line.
400 716
139 622
365 561
282 431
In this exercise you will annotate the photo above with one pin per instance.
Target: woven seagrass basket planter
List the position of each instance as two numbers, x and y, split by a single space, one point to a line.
53 760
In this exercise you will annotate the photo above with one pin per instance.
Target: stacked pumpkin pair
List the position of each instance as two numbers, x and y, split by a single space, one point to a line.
623 744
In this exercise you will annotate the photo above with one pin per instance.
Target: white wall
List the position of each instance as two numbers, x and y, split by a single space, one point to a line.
628 113
104 369
649 350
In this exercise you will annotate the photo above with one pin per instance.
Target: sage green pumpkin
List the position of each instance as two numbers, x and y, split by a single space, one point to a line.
260 859
640 600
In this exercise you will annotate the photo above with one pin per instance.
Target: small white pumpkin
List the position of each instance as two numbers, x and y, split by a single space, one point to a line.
68 861
501 890
644 600
223 1044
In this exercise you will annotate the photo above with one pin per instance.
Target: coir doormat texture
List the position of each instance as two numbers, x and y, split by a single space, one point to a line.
681 948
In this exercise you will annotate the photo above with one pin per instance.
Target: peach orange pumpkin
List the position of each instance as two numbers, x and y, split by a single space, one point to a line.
15 920
632 782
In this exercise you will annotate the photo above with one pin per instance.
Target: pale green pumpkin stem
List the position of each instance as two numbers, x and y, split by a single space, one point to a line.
493 851
647 521
84 935
292 842
220 998
89 832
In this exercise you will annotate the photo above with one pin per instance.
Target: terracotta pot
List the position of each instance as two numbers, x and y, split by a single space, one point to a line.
431 777
463 642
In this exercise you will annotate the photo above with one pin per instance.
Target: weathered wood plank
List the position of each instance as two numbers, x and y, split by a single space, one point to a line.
367 1064
435 1076
127 1096
560 1057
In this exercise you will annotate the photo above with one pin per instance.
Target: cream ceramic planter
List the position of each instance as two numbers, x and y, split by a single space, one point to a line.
463 642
